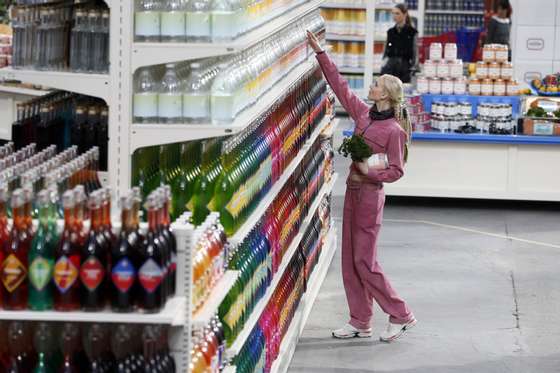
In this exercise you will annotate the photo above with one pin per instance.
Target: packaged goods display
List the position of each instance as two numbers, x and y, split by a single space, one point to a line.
69 347
493 76
64 119
232 176
443 72
348 54
345 21
208 352
5 50
436 24
203 21
459 5
218 90
542 117
61 37
86 266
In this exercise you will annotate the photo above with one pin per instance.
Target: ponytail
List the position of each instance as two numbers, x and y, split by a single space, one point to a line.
404 9
403 118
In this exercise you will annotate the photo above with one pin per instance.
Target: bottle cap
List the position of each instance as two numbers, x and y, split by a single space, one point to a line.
107 194
80 194
137 194
3 192
27 193
126 202
151 202
43 198
17 198
68 199
94 201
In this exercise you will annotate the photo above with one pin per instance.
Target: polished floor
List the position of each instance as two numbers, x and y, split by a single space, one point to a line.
483 279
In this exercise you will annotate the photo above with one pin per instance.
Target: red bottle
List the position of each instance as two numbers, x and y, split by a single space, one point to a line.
4 232
69 344
67 259
15 264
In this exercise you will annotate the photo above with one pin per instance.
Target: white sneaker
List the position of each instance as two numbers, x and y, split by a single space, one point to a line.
348 331
395 331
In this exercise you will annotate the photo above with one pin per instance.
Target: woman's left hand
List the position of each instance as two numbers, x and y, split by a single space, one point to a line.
362 167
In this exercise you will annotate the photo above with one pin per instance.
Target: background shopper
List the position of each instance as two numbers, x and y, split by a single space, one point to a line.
400 50
386 129
499 26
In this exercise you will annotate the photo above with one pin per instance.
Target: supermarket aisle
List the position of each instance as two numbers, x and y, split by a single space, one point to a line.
484 303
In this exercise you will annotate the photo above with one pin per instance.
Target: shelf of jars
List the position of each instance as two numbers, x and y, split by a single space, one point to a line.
242 232
203 316
338 37
150 53
143 135
239 342
96 85
290 340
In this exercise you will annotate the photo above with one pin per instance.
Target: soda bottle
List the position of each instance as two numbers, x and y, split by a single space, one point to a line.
165 246
15 265
123 271
18 345
151 264
69 342
67 259
94 343
41 255
106 216
44 346
95 259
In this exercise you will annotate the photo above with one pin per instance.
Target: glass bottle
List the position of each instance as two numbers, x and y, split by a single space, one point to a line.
4 231
145 97
95 260
15 265
151 262
69 342
170 98
198 20
173 17
166 228
18 345
41 255
67 264
165 244
147 20
44 345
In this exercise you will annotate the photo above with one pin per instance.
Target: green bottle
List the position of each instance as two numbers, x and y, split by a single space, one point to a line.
182 188
202 202
44 345
41 255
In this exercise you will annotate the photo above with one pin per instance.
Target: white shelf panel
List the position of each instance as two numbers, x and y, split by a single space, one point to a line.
96 85
203 316
334 5
158 134
146 54
172 314
351 70
289 343
240 235
345 37
22 91
230 369
466 12
261 305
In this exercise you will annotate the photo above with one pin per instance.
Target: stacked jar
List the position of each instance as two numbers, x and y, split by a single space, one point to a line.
495 119
451 116
443 72
492 118
494 74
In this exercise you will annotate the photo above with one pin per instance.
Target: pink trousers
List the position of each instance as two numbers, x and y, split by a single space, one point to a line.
363 277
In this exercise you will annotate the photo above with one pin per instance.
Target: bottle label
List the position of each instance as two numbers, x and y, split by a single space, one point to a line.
196 106
40 272
145 105
173 265
170 105
173 24
224 25
13 273
147 23
92 273
66 272
123 275
198 24
150 275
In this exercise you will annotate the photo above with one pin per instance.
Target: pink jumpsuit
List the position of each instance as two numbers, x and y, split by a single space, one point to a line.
363 276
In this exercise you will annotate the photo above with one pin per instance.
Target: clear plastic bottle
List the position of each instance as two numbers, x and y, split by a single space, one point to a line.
198 21
173 28
147 20
226 18
104 30
222 100
170 98
196 98
145 98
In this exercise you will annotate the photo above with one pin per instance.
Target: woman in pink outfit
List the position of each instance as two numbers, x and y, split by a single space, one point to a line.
386 129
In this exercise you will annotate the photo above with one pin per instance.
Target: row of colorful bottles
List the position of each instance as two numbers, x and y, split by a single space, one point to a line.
218 90
66 347
86 269
208 352
63 119
314 237
232 176
203 20
61 37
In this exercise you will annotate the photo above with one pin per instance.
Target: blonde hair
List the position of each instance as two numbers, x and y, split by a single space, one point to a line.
394 88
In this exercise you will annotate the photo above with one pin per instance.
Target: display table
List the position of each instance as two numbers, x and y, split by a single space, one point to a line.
481 166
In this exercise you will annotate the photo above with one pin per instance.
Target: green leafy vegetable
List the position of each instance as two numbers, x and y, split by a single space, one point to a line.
557 113
356 147
537 112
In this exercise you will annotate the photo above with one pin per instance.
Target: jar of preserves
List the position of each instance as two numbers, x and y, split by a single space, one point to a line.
483 110
443 69
450 51
465 108
456 69
512 88
502 53
499 87
447 86
422 85
489 53
474 87
438 108
436 51
435 86
430 69
451 109
460 86
486 87
506 71
481 70
494 70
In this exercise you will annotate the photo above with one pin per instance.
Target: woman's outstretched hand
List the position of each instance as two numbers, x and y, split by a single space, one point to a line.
314 42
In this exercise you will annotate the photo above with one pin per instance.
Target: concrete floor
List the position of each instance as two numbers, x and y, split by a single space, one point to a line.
481 277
